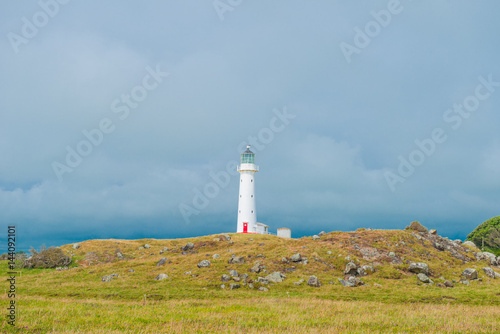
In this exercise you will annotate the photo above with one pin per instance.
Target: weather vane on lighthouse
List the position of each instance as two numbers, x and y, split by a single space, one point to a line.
247 213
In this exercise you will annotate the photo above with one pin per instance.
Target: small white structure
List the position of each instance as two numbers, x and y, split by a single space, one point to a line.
247 213
285 232
262 228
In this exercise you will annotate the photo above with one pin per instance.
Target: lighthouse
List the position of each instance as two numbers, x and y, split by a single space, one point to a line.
247 214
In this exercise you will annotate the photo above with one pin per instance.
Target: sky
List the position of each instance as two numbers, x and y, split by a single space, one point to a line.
126 119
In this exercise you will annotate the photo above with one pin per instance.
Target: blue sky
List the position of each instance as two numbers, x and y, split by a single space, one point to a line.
124 119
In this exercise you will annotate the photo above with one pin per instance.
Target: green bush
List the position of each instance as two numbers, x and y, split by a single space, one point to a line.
488 232
47 258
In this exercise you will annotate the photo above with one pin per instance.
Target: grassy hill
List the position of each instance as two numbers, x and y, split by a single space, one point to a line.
191 299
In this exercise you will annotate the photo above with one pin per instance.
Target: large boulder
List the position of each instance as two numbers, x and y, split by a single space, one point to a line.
487 256
188 246
490 272
469 274
313 281
204 264
418 268
275 277
351 269
162 261
424 278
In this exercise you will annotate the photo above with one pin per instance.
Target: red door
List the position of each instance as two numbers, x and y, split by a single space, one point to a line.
245 227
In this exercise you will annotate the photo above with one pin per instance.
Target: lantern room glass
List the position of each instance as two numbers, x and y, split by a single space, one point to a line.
247 158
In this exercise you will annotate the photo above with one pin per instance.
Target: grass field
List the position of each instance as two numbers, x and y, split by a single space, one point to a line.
77 301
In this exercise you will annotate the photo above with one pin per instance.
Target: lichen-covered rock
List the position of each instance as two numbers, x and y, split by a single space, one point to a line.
162 261
296 257
161 276
257 267
470 244
418 268
76 246
315 237
322 233
346 283
234 286
275 277
424 278
215 256
469 274
448 284
188 246
313 281
263 289
486 256
236 260
225 278
351 269
490 272
147 246
204 264
233 272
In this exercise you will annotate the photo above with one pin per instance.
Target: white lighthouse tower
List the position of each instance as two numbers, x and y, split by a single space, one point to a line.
247 214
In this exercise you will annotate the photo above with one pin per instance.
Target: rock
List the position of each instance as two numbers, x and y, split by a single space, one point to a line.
225 278
315 237
360 272
204 264
329 252
424 278
433 232
262 280
233 272
131 270
231 242
448 284
162 261
464 281
296 257
418 268
119 255
76 246
140 248
439 246
297 283
284 260
470 244
107 278
188 246
486 256
224 237
147 246
313 281
165 249
236 279
275 277
161 276
356 281
322 233
392 254
256 268
346 283
260 256
237 260
187 273
250 286
222 286
264 289
351 268
215 256
457 241
234 286
440 285
416 226
490 272
469 274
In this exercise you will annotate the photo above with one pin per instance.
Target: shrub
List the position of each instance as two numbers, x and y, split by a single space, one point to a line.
417 227
47 258
489 232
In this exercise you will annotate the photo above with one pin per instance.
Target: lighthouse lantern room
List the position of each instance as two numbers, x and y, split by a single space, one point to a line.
247 213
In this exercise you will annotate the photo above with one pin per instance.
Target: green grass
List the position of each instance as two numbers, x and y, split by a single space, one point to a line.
76 301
